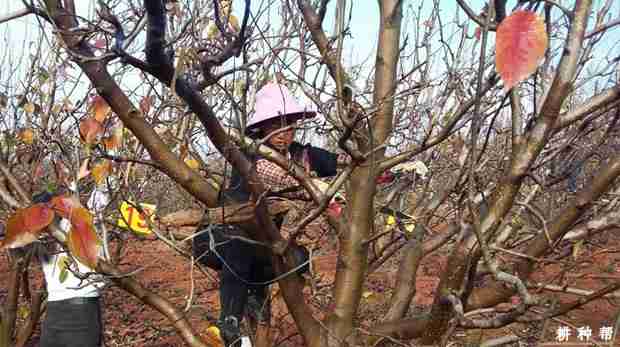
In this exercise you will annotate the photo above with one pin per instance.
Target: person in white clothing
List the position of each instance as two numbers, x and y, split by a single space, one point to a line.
73 316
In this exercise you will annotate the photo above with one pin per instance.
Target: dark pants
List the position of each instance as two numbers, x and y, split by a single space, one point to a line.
575 171
72 323
242 268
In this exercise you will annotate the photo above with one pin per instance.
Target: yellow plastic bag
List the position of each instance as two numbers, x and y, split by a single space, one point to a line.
135 221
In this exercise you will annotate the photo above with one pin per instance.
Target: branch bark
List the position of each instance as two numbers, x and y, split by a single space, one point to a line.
353 248
9 310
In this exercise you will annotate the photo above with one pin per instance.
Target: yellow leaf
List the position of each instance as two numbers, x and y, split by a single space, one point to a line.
56 108
212 31
26 136
234 23
577 248
62 276
192 163
239 88
367 294
410 227
29 108
101 171
213 337
23 311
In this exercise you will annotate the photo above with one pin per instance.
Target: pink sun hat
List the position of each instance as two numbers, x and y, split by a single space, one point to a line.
273 101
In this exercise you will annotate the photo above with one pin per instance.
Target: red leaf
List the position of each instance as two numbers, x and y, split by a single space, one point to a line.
385 177
26 224
82 239
90 129
65 204
478 33
334 209
521 44
100 43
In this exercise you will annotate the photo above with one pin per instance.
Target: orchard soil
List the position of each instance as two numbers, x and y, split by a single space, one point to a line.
164 271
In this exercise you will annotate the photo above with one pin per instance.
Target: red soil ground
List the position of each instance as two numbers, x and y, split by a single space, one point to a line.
129 323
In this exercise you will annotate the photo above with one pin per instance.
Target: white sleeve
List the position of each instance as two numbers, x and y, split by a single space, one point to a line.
98 200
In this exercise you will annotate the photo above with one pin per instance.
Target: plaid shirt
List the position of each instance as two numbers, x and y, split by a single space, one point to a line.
343 159
276 179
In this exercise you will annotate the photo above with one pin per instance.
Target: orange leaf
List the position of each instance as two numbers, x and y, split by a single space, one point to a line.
26 136
82 239
26 224
90 129
213 337
521 44
100 171
65 204
100 108
29 108
113 141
